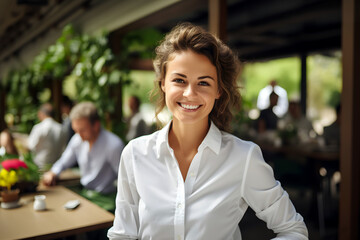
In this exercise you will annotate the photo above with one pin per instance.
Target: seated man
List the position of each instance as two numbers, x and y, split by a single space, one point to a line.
97 153
46 138
268 119
332 132
295 119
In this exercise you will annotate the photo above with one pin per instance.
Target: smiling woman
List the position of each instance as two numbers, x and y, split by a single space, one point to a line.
190 88
192 179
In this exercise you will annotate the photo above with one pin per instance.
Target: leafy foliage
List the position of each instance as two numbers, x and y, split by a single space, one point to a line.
98 75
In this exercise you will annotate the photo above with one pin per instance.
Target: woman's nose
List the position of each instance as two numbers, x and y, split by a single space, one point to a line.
189 91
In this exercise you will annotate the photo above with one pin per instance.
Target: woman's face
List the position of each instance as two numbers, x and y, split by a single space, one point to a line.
190 87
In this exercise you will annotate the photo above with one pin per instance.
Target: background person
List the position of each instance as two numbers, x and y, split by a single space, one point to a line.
294 119
97 153
7 145
46 139
332 132
263 98
192 179
268 120
136 124
66 106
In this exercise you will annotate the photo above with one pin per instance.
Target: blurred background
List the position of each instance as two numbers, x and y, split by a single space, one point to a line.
102 50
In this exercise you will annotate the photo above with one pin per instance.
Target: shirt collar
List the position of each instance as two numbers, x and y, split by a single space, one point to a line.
211 140
162 138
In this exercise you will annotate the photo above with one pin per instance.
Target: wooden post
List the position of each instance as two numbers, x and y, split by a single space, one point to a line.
218 18
57 98
2 108
303 83
350 119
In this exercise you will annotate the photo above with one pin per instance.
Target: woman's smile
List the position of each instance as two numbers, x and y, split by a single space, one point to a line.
189 106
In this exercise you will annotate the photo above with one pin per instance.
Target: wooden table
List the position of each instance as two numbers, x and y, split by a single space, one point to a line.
26 223
69 177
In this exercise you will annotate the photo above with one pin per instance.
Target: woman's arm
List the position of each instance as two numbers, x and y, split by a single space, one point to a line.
269 200
126 213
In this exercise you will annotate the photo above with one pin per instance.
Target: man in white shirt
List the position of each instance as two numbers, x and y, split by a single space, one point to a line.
46 139
263 98
97 153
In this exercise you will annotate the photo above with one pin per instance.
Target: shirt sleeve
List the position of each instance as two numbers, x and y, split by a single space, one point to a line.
115 157
67 160
269 200
126 220
34 137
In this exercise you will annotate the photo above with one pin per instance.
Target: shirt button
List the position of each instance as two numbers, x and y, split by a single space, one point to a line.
179 205
192 174
179 237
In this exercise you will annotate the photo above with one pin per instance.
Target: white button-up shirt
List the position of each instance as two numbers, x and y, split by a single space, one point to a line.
225 177
47 141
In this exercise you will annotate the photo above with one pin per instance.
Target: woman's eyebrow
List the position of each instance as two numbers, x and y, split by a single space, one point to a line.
199 78
180 74
203 77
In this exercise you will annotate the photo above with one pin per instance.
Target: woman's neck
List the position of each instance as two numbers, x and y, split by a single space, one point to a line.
185 140
187 137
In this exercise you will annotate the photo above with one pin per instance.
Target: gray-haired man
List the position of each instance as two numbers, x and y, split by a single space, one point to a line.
97 153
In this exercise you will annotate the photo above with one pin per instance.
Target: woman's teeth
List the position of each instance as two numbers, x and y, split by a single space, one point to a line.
190 107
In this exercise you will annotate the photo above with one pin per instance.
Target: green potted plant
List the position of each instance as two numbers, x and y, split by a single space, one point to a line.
27 172
8 178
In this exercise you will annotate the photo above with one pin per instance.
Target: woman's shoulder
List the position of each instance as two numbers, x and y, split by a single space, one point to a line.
144 141
233 138
145 138
143 147
236 142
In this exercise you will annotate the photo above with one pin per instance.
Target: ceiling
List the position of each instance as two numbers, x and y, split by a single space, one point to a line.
262 29
256 29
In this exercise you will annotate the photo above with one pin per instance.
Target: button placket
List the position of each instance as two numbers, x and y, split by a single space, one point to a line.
179 217
192 174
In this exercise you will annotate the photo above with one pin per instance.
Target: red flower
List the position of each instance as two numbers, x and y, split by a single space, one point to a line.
13 164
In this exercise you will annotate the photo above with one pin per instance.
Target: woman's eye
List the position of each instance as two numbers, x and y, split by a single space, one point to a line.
178 80
203 83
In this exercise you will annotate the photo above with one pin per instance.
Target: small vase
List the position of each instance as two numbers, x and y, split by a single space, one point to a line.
10 199
39 203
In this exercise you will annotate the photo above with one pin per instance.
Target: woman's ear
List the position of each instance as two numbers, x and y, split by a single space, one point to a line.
162 85
218 94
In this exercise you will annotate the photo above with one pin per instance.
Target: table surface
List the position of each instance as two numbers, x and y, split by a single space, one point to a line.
24 222
68 177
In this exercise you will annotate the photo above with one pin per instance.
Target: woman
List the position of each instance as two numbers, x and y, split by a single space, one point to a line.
192 179
7 145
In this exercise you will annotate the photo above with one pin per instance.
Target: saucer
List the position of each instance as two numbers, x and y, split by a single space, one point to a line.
9 205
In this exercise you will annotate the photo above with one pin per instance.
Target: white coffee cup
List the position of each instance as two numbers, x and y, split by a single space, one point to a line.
39 203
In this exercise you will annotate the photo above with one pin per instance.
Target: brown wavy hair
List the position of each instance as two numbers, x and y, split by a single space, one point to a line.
187 36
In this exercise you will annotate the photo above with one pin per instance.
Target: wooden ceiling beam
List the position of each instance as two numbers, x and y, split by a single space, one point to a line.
218 18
